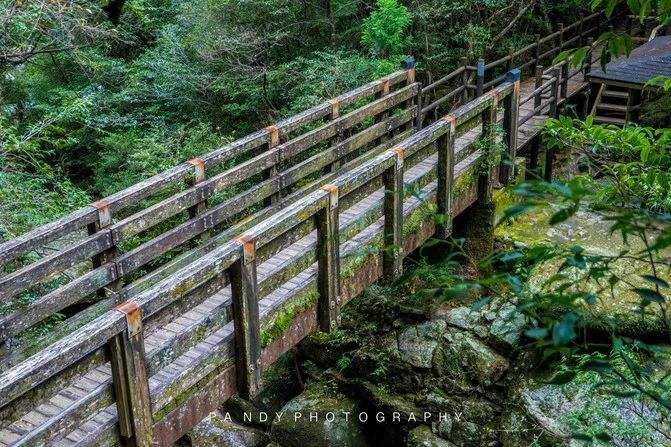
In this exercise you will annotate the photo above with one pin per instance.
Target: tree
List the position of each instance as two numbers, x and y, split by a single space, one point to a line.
383 32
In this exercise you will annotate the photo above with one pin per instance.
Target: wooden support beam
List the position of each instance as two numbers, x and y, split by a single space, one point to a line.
129 376
445 145
480 78
328 261
486 163
511 117
335 114
538 74
587 66
102 223
273 141
633 105
198 177
393 218
409 66
537 55
463 61
245 300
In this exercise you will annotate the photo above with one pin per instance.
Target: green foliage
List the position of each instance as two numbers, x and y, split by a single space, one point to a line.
383 32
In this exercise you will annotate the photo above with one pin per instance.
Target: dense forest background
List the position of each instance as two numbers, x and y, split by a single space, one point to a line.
92 101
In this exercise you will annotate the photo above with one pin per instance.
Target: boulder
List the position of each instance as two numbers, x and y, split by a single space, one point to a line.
422 436
218 430
318 420
416 344
465 356
507 326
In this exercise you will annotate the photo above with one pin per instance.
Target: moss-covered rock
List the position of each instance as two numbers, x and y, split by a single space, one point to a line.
465 355
422 436
416 344
217 430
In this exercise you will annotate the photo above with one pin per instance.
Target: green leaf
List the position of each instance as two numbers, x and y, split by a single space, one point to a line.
562 377
656 281
481 303
563 214
582 437
563 331
537 332
649 295
603 437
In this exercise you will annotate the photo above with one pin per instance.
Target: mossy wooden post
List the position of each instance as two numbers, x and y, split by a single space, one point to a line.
335 114
463 61
511 116
444 193
538 75
537 55
511 59
197 177
480 78
587 66
102 223
273 140
533 158
130 381
486 162
244 291
393 218
560 29
409 66
549 153
328 261
564 82
581 29
384 115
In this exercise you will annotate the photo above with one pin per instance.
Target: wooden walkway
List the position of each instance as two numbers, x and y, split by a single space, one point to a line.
174 351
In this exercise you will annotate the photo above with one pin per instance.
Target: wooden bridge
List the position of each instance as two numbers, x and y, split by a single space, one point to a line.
177 292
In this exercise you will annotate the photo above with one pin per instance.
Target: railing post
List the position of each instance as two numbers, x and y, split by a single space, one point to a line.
560 28
587 66
581 29
609 56
335 114
538 73
245 300
101 224
384 115
463 61
511 115
445 178
328 262
392 263
198 177
564 81
537 56
409 66
549 153
480 78
488 132
130 381
273 141
510 64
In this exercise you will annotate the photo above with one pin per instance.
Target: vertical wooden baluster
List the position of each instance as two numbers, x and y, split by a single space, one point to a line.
511 116
245 299
102 223
393 218
409 66
463 61
480 89
445 178
633 105
549 153
198 177
328 261
273 141
488 132
511 59
533 157
335 114
581 29
130 381
384 115
537 56
538 74
564 81
560 28
587 66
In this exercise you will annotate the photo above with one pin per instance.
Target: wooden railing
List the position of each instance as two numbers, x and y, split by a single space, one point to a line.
470 81
153 414
148 220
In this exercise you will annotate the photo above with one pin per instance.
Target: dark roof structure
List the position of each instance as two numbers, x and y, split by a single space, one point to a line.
651 59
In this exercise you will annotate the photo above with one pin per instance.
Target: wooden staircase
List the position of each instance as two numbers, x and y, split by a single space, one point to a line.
614 105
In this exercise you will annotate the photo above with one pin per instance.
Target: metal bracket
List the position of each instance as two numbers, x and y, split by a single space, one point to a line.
248 248
400 155
274 137
199 169
133 314
333 195
104 215
335 108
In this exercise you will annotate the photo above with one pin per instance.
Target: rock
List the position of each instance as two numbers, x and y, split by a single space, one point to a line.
422 436
462 317
550 413
507 326
466 356
417 344
336 422
218 430
385 402
245 411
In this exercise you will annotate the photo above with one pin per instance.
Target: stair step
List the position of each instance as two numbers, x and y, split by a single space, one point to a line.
613 107
615 94
609 120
